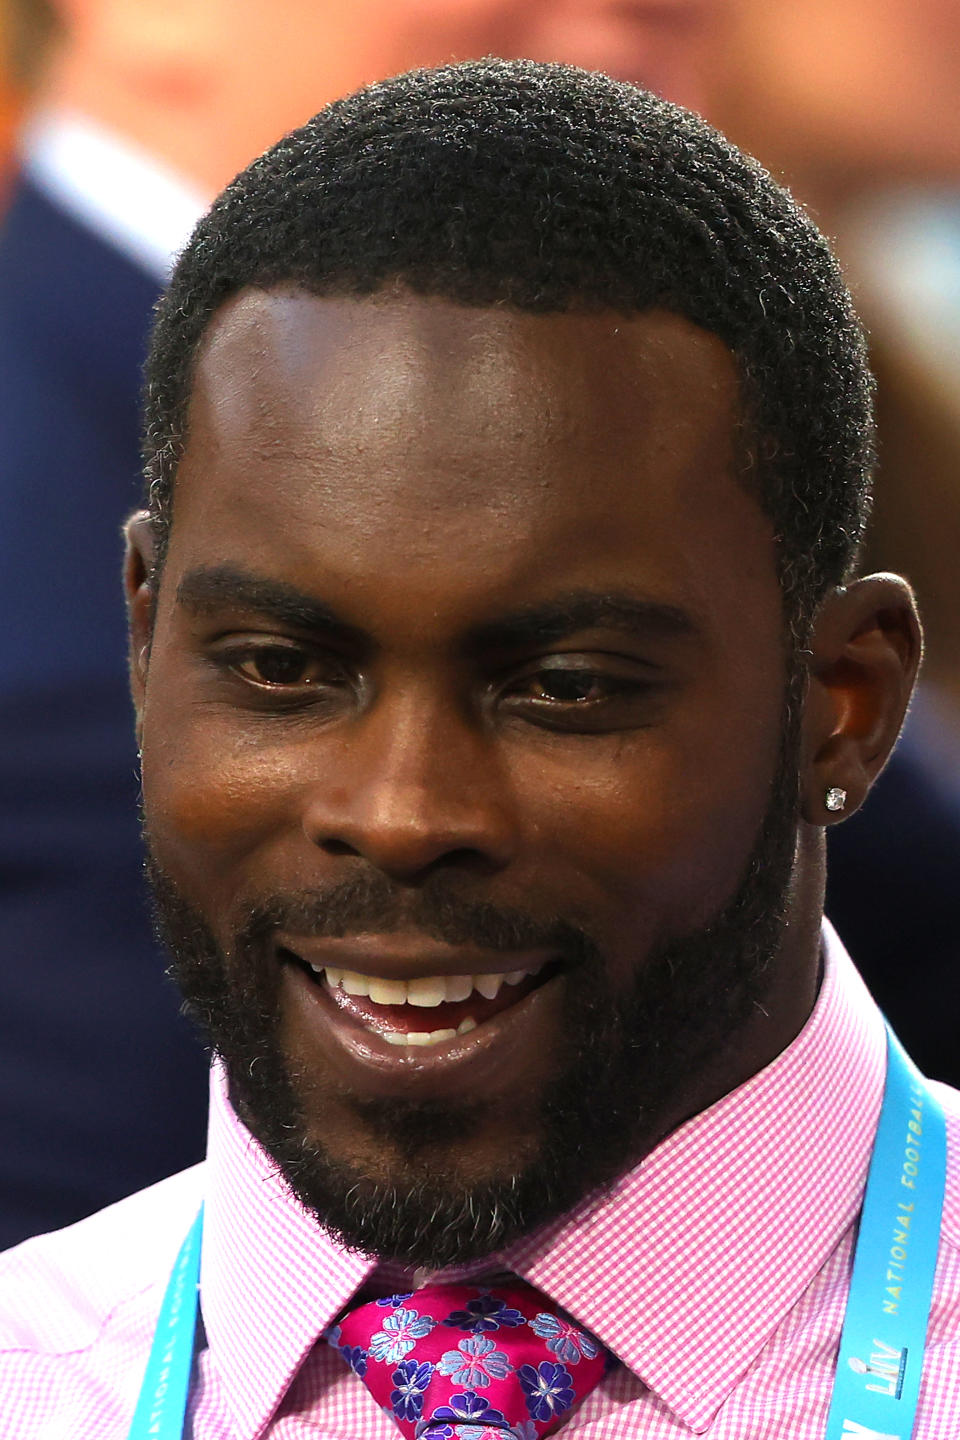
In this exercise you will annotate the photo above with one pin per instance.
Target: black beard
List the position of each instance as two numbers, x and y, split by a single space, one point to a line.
628 1058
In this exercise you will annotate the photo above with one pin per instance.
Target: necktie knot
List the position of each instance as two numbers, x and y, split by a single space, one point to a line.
462 1362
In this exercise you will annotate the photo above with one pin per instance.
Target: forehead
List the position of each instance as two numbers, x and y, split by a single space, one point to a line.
362 436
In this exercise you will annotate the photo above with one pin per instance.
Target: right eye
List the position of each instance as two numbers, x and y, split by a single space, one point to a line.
279 667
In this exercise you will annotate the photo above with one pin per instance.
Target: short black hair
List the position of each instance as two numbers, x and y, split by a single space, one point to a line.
549 188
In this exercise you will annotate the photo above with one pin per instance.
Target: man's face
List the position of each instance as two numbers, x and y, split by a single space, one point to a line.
462 723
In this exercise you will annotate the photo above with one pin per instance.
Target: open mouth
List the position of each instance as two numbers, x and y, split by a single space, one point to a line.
426 1010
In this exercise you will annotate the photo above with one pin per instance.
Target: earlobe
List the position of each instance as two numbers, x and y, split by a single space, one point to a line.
865 653
137 572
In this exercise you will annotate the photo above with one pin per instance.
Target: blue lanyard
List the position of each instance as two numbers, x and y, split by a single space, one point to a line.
877 1384
162 1405
884 1331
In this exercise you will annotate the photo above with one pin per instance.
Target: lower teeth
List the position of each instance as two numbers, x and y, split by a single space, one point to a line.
426 1037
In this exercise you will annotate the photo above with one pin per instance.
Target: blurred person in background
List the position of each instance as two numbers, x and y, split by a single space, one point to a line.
146 108
9 103
99 1075
853 104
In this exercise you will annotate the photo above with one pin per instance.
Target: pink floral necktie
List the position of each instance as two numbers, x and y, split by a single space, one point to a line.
458 1362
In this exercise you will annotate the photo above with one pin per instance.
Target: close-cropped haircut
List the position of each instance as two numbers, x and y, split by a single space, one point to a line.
547 188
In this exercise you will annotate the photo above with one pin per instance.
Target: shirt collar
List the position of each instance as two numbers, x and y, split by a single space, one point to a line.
723 1227
116 189
272 1280
717 1233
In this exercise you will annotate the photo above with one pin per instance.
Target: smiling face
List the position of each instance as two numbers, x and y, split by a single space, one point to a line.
462 721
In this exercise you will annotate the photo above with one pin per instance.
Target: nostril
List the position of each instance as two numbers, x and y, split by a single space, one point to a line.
403 837
338 847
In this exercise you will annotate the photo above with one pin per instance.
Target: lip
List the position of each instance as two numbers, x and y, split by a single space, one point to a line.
406 957
499 1051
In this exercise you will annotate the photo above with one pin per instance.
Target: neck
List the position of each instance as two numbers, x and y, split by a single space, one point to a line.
788 1003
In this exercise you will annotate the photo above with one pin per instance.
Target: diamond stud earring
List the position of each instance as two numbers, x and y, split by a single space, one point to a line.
835 798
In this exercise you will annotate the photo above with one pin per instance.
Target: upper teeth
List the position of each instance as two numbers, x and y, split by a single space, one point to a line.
426 990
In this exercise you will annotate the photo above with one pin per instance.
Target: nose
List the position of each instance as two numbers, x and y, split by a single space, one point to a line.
413 786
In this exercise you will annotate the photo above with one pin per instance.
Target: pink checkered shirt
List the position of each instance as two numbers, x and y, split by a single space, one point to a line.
716 1272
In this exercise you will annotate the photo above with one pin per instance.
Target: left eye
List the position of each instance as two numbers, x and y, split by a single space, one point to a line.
569 686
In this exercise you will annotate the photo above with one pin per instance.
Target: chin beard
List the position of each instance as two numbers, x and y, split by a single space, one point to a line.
627 1059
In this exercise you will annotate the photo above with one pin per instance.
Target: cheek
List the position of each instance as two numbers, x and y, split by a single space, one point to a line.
647 838
212 794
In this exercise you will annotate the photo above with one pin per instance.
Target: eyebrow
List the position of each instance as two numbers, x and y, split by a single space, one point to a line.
577 610
210 589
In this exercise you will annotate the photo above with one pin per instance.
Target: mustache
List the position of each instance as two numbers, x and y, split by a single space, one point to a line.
372 904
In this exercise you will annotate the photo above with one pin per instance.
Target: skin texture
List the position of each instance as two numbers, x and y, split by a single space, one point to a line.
425 470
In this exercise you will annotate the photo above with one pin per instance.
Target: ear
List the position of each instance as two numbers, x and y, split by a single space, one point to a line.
138 564
865 652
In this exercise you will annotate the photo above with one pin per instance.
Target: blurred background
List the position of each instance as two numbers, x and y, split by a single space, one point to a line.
119 121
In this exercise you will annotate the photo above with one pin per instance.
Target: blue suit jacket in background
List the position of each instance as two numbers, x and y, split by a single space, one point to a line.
102 1083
